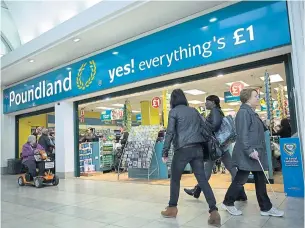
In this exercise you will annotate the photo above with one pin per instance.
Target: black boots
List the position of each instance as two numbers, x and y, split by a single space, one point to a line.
195 192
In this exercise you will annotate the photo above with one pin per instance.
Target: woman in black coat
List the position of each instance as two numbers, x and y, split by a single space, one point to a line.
186 131
249 151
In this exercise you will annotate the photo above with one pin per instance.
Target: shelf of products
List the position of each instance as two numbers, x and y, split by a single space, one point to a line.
107 150
86 158
107 160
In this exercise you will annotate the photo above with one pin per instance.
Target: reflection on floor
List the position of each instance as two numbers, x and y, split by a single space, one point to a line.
77 203
217 181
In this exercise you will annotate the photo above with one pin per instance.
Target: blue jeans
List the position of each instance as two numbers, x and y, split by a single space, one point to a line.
194 156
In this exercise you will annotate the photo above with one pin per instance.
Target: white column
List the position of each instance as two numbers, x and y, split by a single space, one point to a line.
297 23
7 126
64 139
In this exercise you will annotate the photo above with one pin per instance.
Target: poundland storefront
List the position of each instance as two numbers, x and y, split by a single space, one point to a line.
245 34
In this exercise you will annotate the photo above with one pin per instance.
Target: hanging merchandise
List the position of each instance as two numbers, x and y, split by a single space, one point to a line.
280 104
283 106
82 115
268 99
166 106
127 112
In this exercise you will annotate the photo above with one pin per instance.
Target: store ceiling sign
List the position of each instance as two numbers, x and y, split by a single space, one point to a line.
138 117
156 102
114 114
240 29
236 88
230 98
106 115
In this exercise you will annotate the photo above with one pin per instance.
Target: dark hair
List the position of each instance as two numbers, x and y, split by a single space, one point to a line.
178 98
285 123
214 99
246 94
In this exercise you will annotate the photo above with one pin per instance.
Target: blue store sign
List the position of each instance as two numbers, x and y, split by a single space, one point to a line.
292 167
106 115
240 29
230 98
138 117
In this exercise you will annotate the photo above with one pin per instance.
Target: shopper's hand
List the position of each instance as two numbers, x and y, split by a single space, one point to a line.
254 155
164 160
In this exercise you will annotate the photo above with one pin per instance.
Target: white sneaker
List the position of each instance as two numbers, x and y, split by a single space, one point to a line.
273 212
232 210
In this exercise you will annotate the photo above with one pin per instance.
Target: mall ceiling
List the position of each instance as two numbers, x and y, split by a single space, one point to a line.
214 85
106 24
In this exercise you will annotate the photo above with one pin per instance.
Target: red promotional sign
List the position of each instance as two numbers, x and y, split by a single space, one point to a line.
156 102
236 88
82 115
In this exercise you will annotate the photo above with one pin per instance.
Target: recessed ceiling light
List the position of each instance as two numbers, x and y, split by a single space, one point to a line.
277 88
195 102
105 108
194 92
274 78
230 83
115 53
220 75
31 60
234 103
76 40
118 105
213 19
204 28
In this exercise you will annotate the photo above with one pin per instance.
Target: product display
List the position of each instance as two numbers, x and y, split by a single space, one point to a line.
140 146
85 158
107 150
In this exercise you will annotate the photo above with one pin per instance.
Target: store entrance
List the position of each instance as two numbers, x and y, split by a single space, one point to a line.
106 125
41 125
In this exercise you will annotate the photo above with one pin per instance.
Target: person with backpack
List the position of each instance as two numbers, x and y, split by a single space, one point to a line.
214 121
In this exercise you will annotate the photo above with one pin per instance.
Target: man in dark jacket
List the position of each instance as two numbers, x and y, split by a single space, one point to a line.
45 141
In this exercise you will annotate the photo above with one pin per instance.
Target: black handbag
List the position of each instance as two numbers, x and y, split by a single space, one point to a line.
211 146
214 148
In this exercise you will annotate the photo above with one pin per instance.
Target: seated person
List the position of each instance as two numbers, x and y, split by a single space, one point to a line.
30 149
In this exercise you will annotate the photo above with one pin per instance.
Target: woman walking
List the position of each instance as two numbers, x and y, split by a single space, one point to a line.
214 120
185 130
250 148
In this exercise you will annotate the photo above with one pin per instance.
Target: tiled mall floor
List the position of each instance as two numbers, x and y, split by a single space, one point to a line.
98 204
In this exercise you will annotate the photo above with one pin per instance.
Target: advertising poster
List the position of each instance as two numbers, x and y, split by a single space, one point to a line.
292 167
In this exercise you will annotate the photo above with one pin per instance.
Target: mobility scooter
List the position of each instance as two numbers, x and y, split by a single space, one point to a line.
48 178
